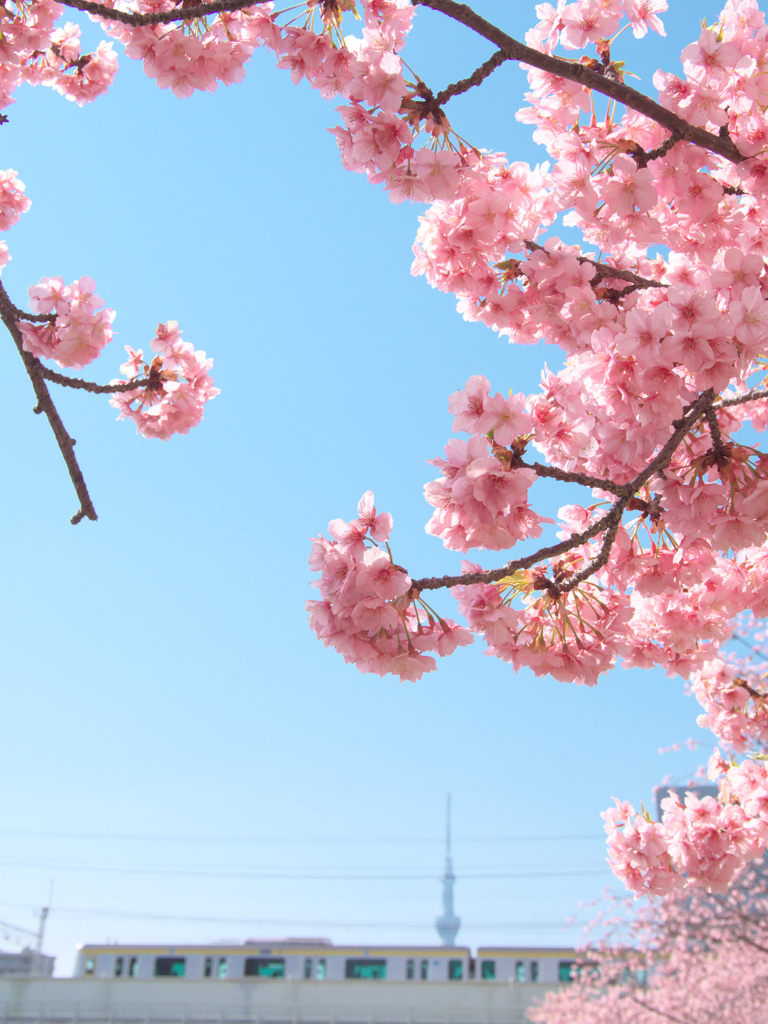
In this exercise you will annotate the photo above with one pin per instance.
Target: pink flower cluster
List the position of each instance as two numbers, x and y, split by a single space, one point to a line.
481 499
33 50
703 843
179 385
13 202
369 612
200 54
573 636
576 24
724 86
197 55
81 328
735 704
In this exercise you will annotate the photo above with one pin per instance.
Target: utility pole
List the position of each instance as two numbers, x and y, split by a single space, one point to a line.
44 912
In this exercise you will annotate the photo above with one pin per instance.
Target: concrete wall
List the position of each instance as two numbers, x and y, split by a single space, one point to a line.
278 1001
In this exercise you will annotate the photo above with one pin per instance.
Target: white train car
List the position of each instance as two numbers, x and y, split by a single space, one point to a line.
292 959
510 964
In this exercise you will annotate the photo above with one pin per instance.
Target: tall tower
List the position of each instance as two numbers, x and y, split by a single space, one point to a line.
447 923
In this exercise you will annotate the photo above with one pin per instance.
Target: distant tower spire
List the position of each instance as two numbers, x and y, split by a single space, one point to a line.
447 923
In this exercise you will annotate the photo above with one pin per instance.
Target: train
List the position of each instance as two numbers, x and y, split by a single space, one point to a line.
320 960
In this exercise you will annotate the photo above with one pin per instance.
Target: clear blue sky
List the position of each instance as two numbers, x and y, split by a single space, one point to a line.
159 679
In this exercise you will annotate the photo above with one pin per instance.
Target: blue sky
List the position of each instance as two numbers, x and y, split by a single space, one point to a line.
171 729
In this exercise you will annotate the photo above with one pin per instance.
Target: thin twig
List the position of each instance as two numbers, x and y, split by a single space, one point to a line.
753 395
161 17
477 76
579 73
603 554
682 426
45 404
622 490
63 379
605 272
643 158
87 385
38 318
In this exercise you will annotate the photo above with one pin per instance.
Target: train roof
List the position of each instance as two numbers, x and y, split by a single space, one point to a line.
298 945
525 951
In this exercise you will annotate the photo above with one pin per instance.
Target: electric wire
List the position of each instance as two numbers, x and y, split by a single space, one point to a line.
303 877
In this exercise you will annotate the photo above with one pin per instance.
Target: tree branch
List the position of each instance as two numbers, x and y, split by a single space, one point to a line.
63 379
606 272
87 385
38 318
622 490
604 553
477 76
515 50
718 446
608 522
161 17
45 404
753 395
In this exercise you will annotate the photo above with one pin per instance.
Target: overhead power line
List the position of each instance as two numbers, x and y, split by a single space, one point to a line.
252 921
290 841
303 877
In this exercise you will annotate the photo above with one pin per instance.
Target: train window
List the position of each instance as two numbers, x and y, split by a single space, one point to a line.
133 967
264 967
90 965
519 971
409 971
222 971
424 970
534 970
308 968
366 969
564 970
170 966
118 966
488 970
320 972
455 970
208 967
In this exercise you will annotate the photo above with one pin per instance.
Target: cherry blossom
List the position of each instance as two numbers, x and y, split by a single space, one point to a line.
80 329
656 297
178 387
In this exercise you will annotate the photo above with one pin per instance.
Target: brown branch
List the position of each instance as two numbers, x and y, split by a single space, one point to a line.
718 446
63 379
607 273
478 76
751 942
661 1013
753 395
161 17
45 404
87 385
515 50
691 415
436 582
38 318
753 693
603 554
622 490
642 157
